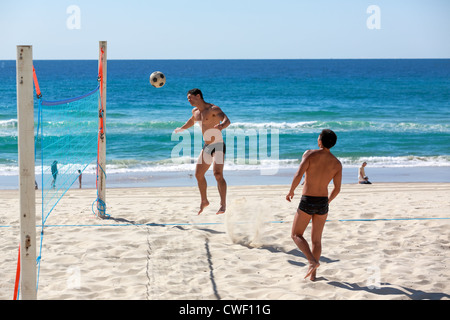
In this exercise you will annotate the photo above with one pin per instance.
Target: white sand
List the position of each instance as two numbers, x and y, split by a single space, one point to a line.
245 254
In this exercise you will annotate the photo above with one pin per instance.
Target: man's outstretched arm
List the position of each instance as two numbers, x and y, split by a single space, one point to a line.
187 125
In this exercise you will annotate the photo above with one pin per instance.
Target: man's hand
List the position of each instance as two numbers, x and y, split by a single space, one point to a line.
178 130
289 196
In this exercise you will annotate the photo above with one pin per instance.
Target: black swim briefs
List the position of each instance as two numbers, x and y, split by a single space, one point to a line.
314 205
213 147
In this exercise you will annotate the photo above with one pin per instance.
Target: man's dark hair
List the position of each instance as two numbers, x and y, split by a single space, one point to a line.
328 138
196 92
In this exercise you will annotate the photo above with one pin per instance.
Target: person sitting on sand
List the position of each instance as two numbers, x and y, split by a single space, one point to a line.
362 178
320 167
212 121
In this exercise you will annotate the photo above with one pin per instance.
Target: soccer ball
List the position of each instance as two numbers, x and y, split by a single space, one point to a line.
157 79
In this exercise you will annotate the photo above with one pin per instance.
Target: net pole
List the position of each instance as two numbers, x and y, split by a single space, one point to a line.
27 196
101 183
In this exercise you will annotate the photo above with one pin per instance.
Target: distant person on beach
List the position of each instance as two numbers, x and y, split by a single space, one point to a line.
54 173
362 178
212 121
320 167
79 177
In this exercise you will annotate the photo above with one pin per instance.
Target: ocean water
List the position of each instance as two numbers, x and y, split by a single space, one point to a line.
390 113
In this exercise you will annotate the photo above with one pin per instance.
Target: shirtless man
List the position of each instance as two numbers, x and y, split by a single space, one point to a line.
320 167
212 121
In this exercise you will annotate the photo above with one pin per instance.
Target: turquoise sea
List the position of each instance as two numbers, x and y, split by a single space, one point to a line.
394 114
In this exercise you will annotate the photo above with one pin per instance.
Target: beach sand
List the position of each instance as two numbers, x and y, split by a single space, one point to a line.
155 246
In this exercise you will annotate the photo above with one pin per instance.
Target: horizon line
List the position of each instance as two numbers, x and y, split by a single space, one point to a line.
193 59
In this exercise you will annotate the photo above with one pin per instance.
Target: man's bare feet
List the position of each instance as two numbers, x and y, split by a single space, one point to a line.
221 209
313 276
312 268
203 205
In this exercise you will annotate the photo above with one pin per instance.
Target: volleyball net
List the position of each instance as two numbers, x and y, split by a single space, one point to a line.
69 134
65 145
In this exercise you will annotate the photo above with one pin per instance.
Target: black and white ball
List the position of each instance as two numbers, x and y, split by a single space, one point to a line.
157 79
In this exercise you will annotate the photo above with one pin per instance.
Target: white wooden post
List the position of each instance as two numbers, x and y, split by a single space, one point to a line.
101 183
25 125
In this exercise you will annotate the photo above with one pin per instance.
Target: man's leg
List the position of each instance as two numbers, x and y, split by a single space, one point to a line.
301 221
318 223
200 170
221 183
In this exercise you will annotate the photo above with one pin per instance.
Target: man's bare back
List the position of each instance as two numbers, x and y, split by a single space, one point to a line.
320 168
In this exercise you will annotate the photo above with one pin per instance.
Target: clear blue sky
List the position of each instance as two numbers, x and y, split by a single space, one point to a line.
229 29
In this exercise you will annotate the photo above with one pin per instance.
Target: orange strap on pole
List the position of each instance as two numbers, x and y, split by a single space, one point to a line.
100 72
100 77
36 84
16 286
100 124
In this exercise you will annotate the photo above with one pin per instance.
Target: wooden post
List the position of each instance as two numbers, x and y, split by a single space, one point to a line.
25 125
101 183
